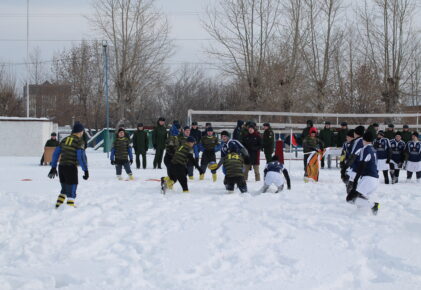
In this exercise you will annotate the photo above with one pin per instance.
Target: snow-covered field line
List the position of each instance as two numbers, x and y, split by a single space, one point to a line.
125 235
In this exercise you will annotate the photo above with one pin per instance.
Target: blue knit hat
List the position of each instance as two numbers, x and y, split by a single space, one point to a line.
191 139
78 127
209 129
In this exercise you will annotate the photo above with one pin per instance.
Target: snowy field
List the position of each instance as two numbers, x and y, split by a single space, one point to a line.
126 235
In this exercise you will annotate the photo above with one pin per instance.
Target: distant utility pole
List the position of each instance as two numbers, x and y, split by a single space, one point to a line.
107 106
27 58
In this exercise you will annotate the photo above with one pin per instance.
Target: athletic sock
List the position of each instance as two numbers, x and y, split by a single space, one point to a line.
60 199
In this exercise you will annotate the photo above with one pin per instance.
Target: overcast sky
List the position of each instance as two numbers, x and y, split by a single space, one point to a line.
53 23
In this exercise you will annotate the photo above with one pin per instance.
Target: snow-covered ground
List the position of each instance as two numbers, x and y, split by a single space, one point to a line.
126 235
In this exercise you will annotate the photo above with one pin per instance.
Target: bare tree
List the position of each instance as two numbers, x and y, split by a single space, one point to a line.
140 45
244 31
319 45
10 103
37 68
390 44
81 67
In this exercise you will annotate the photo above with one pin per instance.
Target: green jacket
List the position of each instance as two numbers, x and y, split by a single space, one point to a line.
233 164
140 141
244 131
52 143
327 136
182 155
268 140
312 144
389 134
341 138
406 136
159 137
121 147
304 135
209 143
69 146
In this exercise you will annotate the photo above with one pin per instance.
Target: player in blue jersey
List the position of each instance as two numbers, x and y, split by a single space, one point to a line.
383 154
413 157
352 164
366 179
396 161
273 175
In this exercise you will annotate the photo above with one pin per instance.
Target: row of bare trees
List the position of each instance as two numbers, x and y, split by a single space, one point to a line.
277 55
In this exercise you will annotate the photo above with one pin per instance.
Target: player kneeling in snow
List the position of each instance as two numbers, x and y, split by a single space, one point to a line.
273 175
71 153
120 153
366 180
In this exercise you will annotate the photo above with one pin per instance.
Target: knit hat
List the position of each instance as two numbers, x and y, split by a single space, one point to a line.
381 133
266 124
186 128
312 130
327 123
209 129
120 129
415 133
225 133
78 127
368 136
350 133
191 139
344 124
54 134
405 126
161 119
391 126
360 130
375 125
140 125
398 133
194 123
208 124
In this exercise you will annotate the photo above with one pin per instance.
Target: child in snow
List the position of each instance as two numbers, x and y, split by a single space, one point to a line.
383 154
396 161
366 179
413 157
233 163
72 153
183 139
178 166
352 164
273 175
121 154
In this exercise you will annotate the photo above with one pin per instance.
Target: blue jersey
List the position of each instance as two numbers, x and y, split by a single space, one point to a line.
382 147
368 156
274 166
413 148
397 150
346 148
232 144
356 150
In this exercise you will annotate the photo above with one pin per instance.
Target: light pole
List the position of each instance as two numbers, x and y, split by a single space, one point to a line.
107 106
27 58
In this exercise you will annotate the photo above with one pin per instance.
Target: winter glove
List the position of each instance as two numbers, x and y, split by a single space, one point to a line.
400 164
388 161
86 175
154 146
52 173
131 161
112 162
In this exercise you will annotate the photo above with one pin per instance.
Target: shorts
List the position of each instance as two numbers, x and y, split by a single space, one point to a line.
367 185
68 174
382 165
275 178
413 166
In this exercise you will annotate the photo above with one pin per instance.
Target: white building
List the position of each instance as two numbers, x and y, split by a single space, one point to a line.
27 135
